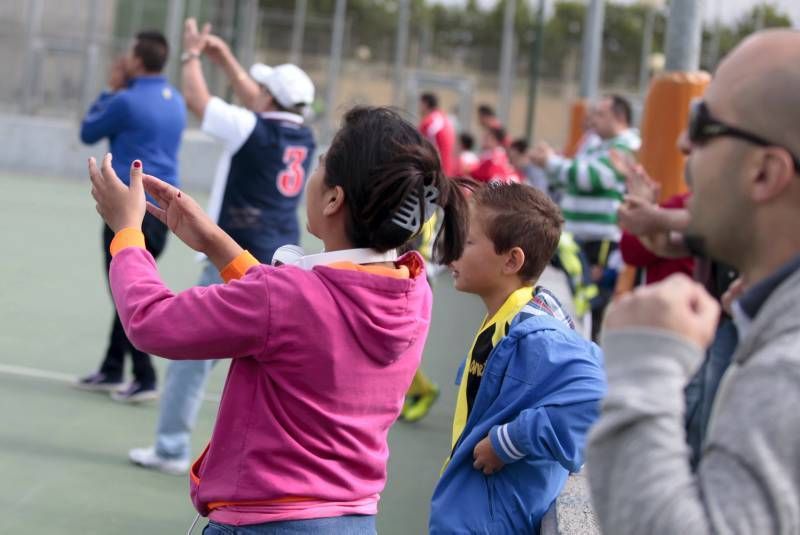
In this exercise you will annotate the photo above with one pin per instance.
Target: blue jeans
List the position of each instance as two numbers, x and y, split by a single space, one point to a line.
182 395
337 525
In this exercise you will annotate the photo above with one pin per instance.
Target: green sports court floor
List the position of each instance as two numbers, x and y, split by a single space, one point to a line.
63 452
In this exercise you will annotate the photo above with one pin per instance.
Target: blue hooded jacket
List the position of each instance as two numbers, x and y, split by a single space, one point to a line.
540 392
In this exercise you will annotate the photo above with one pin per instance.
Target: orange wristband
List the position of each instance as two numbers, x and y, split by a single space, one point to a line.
127 237
238 266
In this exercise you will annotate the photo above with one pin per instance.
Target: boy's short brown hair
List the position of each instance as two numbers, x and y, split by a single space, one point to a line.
517 215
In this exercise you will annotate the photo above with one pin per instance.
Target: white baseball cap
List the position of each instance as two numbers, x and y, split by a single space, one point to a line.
290 86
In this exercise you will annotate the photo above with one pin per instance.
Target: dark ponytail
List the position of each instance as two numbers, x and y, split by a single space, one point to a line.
449 243
379 159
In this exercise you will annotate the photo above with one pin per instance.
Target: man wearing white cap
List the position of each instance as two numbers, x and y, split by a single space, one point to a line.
259 179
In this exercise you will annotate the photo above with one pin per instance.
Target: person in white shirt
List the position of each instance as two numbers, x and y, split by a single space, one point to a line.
267 156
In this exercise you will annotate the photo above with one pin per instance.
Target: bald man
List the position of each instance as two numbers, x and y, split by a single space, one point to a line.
743 147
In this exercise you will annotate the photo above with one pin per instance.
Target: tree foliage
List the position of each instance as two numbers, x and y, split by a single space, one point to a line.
727 37
449 32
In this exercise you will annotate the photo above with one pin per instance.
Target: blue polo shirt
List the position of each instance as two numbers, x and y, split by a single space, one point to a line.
144 121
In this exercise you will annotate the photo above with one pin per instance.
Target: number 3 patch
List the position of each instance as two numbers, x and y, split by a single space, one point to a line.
291 178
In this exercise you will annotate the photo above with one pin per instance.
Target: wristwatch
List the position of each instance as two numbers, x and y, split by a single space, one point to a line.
189 55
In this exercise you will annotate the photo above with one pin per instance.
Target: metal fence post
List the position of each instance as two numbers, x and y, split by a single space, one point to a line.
298 29
507 61
174 31
194 9
400 51
92 57
592 49
760 16
247 24
684 35
334 66
533 83
647 49
33 25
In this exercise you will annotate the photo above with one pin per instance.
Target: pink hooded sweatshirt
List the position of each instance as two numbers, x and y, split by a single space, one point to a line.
321 363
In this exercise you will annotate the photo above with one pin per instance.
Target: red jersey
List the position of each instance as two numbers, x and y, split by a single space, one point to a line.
634 253
439 130
494 165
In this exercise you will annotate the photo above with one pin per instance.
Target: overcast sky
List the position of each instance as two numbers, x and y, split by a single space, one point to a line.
727 10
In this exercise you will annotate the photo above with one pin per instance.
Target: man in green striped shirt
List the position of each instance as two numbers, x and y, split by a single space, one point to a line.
593 188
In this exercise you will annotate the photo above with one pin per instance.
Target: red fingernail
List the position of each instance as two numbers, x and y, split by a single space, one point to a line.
137 164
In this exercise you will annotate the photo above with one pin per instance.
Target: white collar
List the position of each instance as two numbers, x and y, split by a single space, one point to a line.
293 255
282 116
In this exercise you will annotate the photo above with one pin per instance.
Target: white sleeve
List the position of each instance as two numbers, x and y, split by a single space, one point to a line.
228 123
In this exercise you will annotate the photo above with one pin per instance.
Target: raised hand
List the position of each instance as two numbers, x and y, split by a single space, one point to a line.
120 206
637 181
666 244
189 222
216 49
677 305
180 213
193 40
118 74
638 216
541 153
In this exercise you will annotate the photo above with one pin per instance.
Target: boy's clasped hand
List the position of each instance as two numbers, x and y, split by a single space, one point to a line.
486 460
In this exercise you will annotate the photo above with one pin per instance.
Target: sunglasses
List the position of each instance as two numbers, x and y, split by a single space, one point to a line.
703 126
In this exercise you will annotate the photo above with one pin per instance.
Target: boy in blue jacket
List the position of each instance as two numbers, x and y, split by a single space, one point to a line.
530 387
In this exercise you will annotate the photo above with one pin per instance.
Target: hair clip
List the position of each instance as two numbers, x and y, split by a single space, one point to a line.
407 214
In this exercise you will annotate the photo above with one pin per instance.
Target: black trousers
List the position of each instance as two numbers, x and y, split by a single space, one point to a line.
595 255
155 237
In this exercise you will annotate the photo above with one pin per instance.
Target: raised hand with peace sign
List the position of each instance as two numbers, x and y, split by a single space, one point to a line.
195 41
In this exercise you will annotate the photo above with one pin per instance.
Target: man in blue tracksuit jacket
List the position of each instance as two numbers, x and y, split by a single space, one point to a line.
143 118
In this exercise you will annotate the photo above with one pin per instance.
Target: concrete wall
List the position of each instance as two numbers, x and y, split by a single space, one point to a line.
51 147
572 513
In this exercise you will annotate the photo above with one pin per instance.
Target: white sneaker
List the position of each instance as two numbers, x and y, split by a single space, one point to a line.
148 458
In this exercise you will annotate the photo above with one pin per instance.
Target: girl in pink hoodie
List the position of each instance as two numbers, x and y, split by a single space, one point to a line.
322 351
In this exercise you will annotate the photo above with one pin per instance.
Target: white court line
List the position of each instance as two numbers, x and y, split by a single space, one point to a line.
35 373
